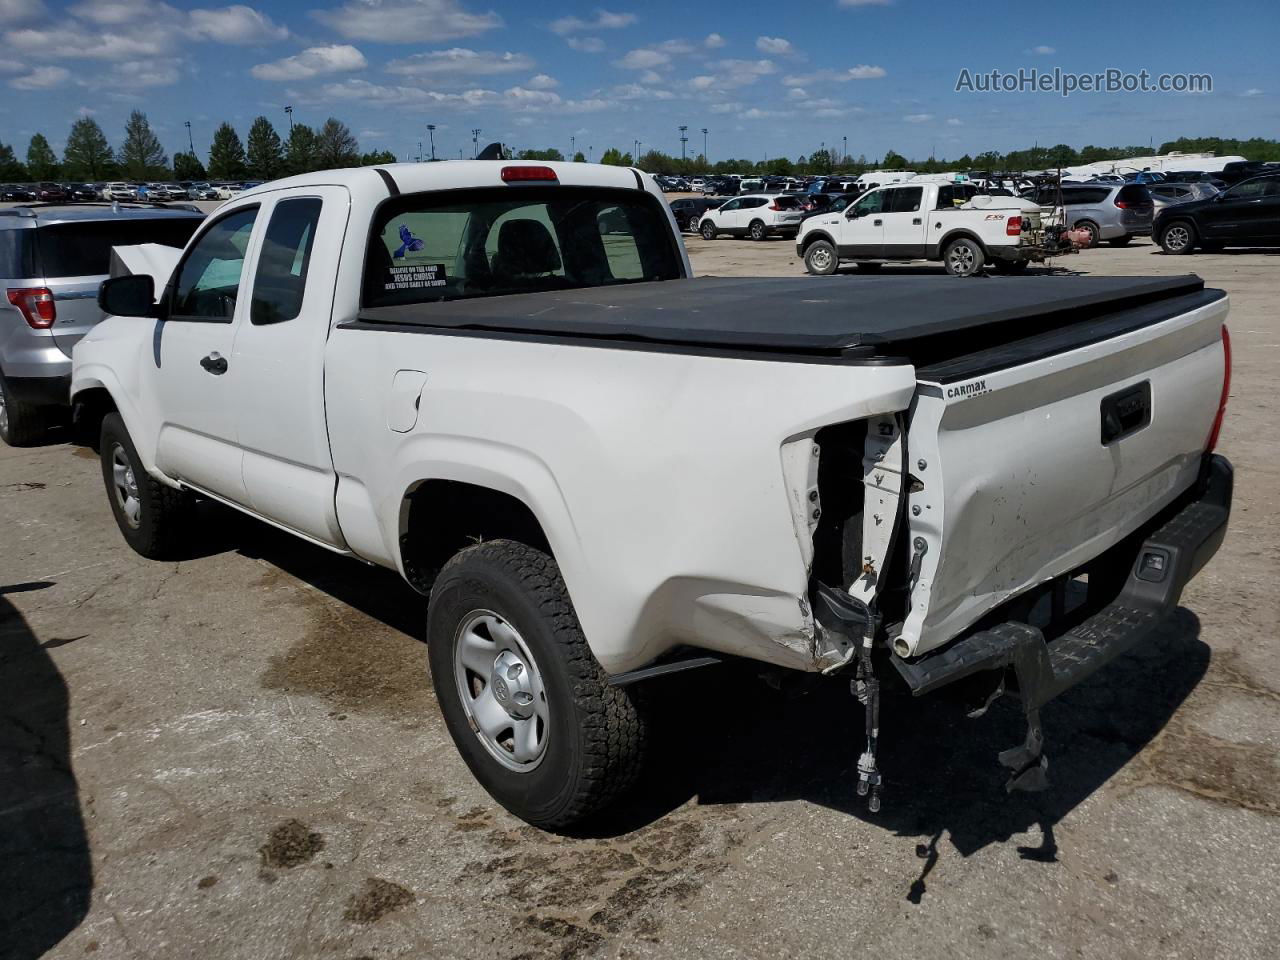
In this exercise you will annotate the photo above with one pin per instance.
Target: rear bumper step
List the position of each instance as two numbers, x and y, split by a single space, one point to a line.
1172 553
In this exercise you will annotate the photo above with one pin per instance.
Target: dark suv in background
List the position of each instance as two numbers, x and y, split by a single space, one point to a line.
1245 215
52 260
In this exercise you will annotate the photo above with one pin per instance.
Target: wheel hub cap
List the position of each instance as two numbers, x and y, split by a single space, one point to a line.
511 686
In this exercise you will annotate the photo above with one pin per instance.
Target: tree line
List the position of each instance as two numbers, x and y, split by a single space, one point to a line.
264 155
831 161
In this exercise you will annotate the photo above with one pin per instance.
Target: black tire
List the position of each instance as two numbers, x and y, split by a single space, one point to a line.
596 733
1120 241
1093 231
756 231
821 259
1178 238
21 423
707 229
870 266
693 223
964 257
163 521
1009 266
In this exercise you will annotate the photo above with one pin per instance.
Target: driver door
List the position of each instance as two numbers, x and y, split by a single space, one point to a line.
862 234
196 381
726 218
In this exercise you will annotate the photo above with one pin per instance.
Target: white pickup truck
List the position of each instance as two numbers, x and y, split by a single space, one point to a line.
499 379
930 221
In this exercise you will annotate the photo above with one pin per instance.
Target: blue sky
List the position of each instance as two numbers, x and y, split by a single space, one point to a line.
764 79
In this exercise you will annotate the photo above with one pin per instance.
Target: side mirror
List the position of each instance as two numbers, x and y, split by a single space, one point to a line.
853 213
129 296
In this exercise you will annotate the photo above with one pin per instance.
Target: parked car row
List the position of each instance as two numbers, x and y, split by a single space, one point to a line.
152 191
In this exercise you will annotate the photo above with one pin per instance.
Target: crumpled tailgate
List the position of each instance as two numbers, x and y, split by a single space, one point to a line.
1028 470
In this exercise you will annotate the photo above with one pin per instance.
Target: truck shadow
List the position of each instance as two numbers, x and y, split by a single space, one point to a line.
46 874
727 739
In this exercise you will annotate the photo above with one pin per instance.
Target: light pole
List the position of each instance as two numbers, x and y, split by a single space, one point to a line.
431 132
190 143
572 143
288 112
635 153
705 161
684 138
475 142
844 151
419 157
591 152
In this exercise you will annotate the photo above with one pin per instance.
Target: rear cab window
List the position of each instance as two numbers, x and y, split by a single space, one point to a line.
459 244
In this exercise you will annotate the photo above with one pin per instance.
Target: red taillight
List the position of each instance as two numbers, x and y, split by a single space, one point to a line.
1226 391
1122 205
525 174
1013 227
774 206
35 304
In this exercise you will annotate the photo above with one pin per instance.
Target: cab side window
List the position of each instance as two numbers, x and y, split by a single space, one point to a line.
871 203
281 279
906 200
208 281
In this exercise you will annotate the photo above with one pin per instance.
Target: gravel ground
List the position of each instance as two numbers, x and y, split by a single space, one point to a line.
239 756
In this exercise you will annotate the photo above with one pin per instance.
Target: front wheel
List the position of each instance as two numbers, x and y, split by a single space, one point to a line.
820 258
757 230
708 230
1178 238
963 257
527 705
155 519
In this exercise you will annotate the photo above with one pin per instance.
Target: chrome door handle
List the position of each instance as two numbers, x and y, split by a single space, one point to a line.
215 363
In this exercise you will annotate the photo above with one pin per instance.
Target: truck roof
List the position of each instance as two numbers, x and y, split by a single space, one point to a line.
827 317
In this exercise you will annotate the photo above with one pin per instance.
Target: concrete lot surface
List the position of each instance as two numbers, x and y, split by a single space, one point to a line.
239 756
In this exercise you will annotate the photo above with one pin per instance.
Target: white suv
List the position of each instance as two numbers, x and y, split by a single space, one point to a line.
756 216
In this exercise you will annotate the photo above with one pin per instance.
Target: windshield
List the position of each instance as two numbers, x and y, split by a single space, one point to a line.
490 242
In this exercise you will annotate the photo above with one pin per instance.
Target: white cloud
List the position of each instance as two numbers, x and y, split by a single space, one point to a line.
918 117
406 21
862 71
140 75
586 44
714 41
643 58
543 82
734 73
236 24
76 43
676 46
519 98
726 107
1252 92
41 78
638 91
954 122
460 62
651 76
1042 50
86 112
797 93
604 20
774 45
15 11
312 62
755 113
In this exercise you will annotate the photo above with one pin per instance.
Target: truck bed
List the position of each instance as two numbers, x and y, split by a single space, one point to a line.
929 319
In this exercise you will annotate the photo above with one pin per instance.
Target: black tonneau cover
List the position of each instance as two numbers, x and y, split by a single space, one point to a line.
814 316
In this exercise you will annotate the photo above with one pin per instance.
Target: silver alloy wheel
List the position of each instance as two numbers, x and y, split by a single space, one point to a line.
757 231
820 258
1177 237
960 259
126 486
501 690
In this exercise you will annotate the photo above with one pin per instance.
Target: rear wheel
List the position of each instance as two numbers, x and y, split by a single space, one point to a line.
757 230
1178 238
21 423
693 223
708 230
1091 229
963 257
820 258
529 708
155 519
